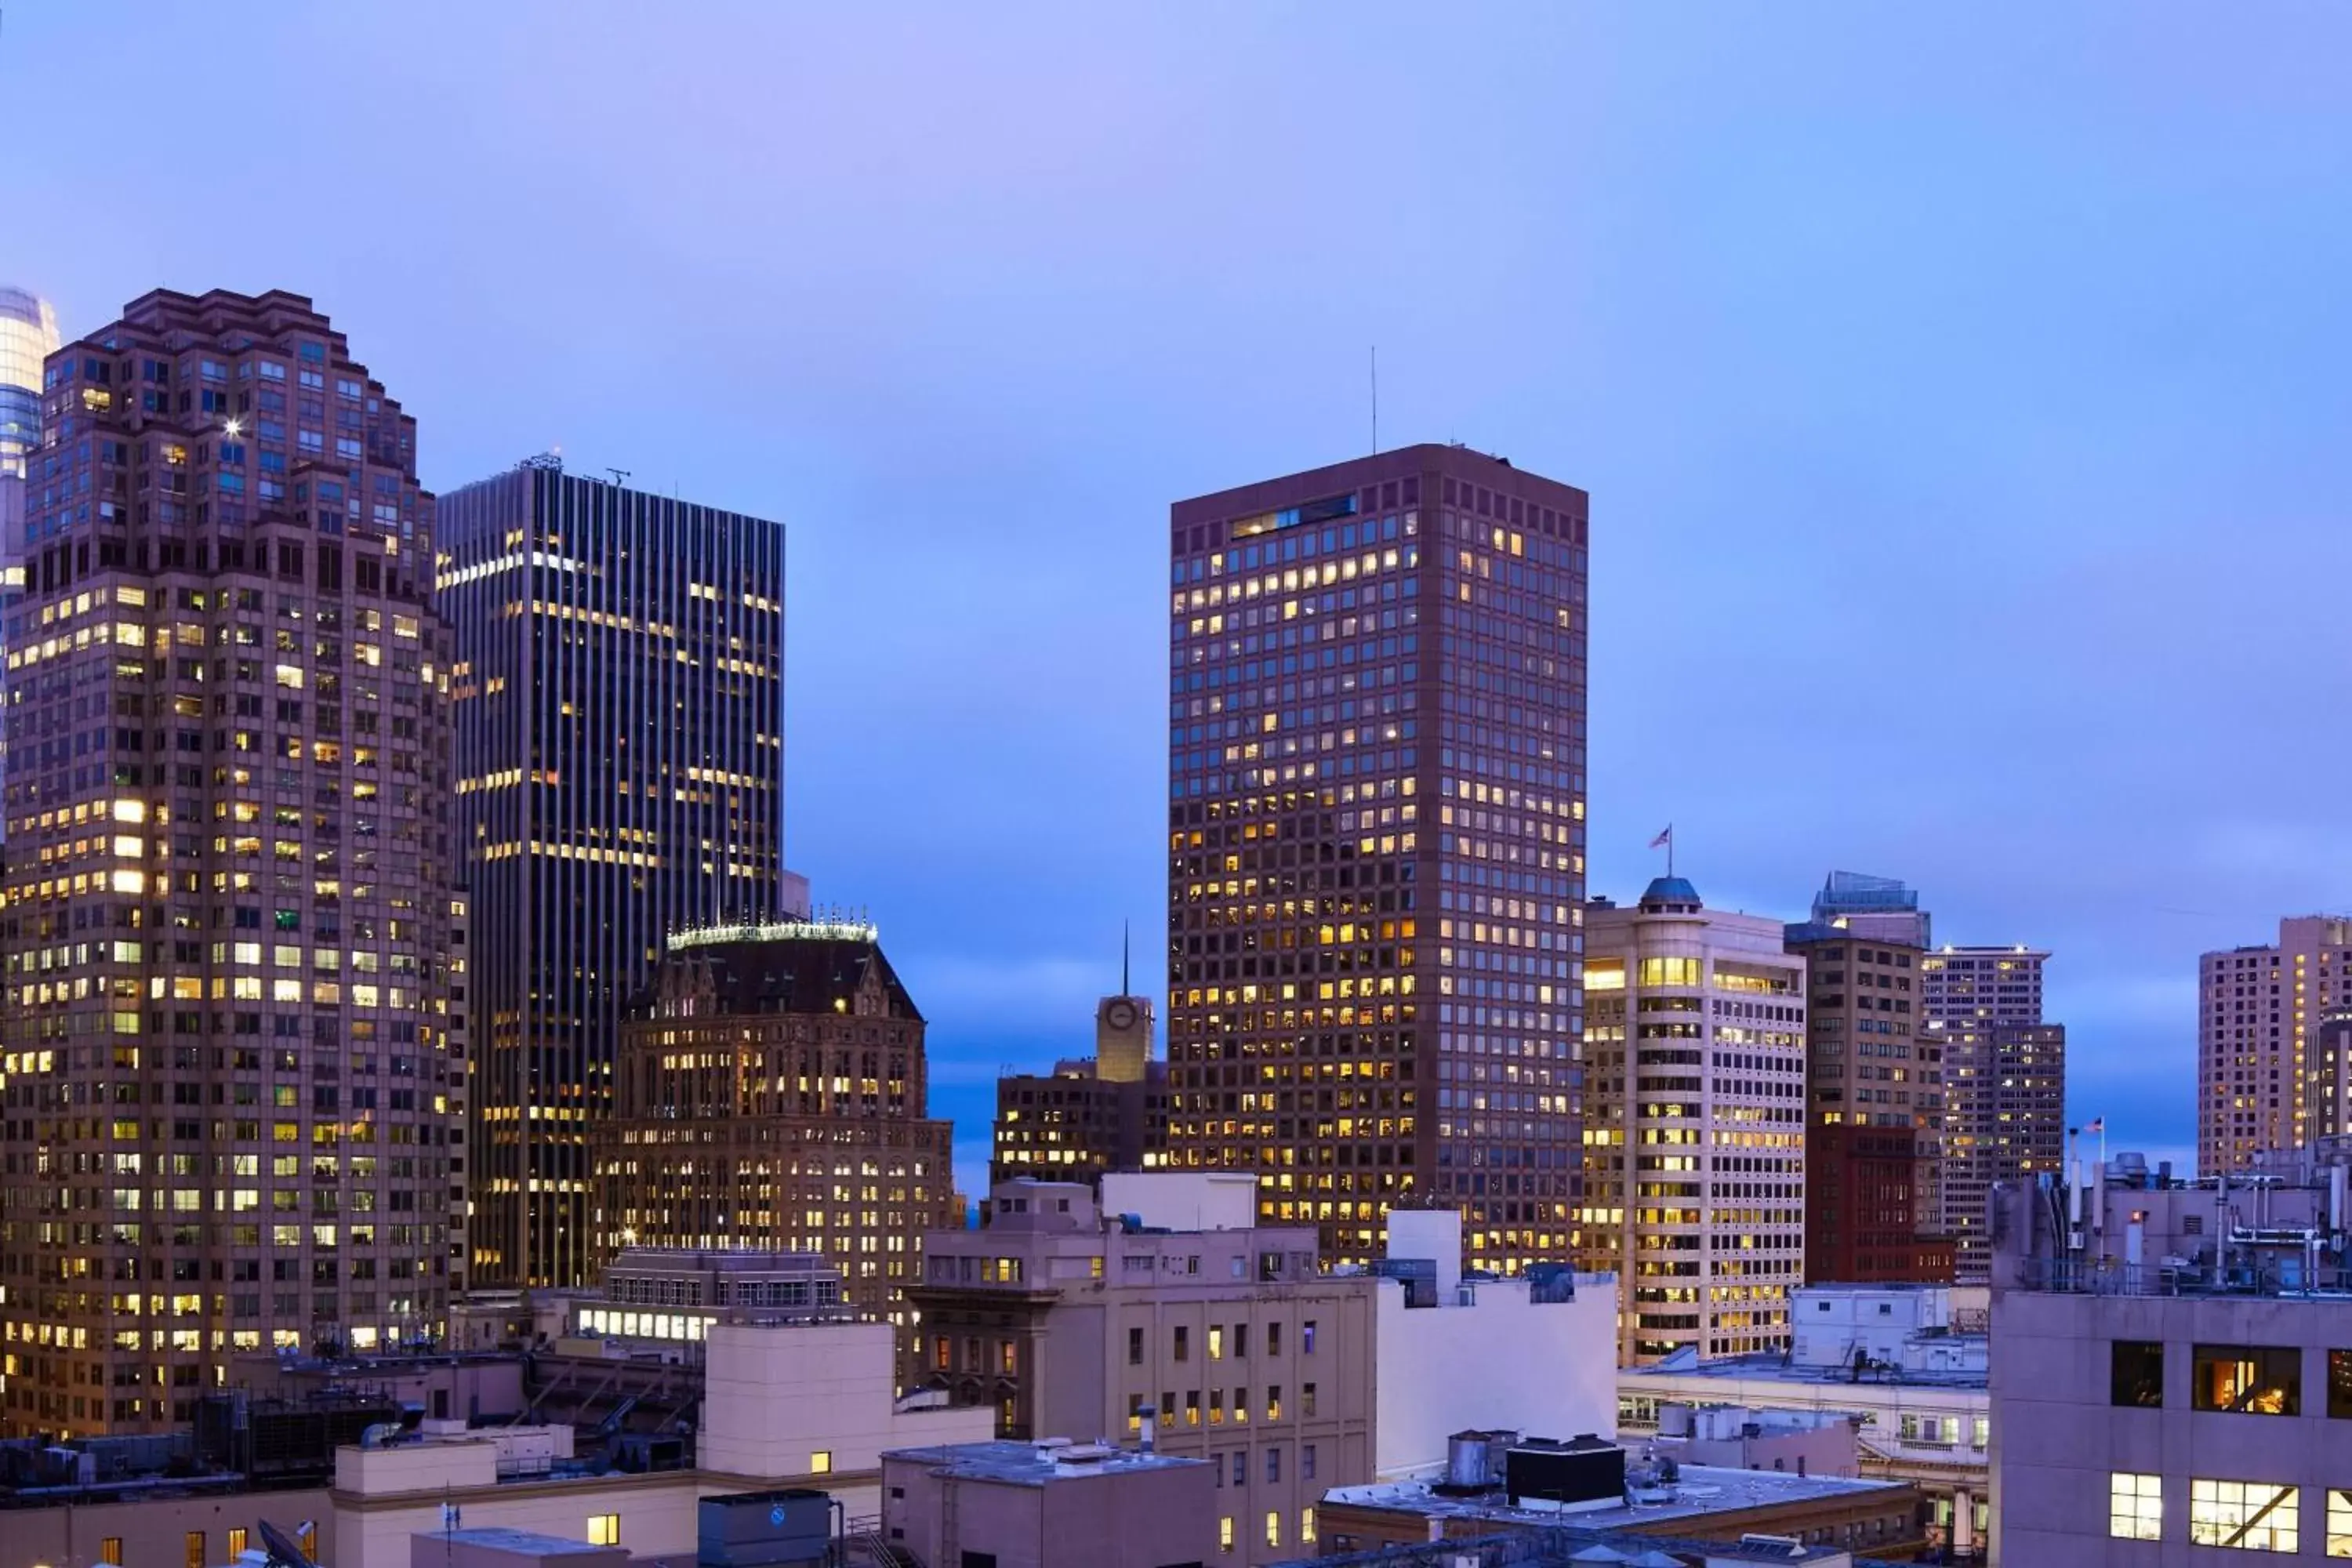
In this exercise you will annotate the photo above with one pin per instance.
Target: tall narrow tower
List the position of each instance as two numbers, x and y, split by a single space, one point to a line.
1376 846
620 757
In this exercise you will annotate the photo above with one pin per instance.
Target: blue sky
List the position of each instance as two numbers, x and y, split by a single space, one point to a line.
1961 393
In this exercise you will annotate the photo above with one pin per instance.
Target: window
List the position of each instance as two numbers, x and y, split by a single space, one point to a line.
1274 1339
1306 1337
1273 1464
820 1462
1305 1461
2339 1522
2252 1380
1981 1434
2253 1516
1135 1347
1305 1527
236 1540
1225 1533
603 1530
1241 1466
1273 1527
195 1549
2135 1506
109 1550
1307 1399
1183 1344
2339 1385
1216 1342
2136 1373
1241 1340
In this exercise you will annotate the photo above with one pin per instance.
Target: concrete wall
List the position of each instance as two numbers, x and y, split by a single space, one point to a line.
657 1515
775 1398
1144 1519
153 1533
1184 1200
2057 1437
1549 1369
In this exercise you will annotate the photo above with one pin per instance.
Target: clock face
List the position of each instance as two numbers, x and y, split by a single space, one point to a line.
1120 1015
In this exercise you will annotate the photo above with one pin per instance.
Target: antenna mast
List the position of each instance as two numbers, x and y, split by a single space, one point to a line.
1376 399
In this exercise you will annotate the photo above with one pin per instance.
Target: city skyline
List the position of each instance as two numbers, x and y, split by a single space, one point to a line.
1921 377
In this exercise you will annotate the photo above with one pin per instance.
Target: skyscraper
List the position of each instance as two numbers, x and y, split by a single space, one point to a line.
2004 1083
2258 1010
620 720
231 1076
1695 1042
1376 846
1879 907
1874 1108
28 335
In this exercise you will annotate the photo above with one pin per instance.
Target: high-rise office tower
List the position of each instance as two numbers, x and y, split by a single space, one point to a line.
232 1081
1881 908
620 755
1873 1111
1695 1175
28 335
2260 1076
2004 1083
1376 846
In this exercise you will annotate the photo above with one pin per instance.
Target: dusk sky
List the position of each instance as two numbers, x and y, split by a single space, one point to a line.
1963 393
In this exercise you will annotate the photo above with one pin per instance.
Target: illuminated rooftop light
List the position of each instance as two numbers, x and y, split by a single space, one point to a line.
832 928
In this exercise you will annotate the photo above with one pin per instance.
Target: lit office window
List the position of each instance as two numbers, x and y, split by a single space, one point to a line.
1225 1533
603 1530
2339 1522
2135 1506
2251 1516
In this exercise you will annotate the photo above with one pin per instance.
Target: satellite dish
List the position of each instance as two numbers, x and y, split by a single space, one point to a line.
285 1552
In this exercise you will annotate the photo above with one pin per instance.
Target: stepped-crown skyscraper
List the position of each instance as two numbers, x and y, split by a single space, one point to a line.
620 755
1376 846
233 1075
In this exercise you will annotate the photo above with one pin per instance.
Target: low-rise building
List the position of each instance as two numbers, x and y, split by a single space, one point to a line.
2172 1365
1534 1352
1067 1317
805 1405
1053 1505
1894 1358
1586 1486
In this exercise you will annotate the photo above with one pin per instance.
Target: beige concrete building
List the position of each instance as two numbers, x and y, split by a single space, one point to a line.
2263 1080
1062 1505
1695 1139
1072 1320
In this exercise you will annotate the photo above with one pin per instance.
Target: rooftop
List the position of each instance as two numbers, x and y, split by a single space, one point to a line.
1701 1491
1776 1367
506 1537
1566 1547
1034 1464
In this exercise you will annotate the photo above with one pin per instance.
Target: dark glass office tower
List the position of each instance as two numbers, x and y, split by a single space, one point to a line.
620 717
1376 846
233 1076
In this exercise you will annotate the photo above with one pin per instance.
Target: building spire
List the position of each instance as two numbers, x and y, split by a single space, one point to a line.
1125 988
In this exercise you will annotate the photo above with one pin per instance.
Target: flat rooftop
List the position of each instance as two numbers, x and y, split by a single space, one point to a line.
1703 1489
506 1537
1771 1366
1032 1464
